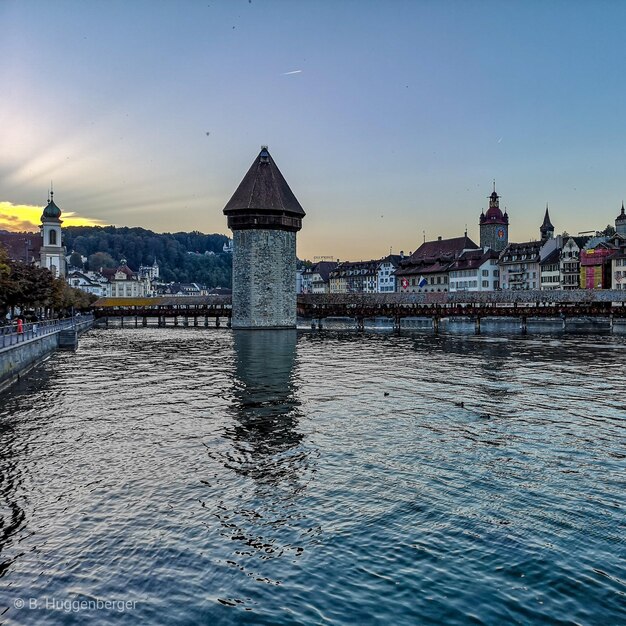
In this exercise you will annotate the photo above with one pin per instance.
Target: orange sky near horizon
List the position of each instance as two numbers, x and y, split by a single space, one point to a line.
27 218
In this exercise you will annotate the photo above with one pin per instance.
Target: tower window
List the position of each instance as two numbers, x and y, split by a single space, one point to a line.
52 239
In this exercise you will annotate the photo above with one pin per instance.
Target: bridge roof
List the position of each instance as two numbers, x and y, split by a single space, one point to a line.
103 303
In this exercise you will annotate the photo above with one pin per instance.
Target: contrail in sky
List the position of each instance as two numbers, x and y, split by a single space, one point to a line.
294 72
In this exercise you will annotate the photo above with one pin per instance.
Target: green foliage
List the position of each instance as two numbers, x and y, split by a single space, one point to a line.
76 260
100 260
609 231
181 256
26 286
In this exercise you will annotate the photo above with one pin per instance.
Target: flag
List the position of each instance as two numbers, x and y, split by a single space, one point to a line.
422 282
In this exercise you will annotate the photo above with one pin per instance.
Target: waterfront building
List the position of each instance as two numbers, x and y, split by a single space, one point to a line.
618 270
354 277
124 283
386 274
426 270
52 252
264 216
494 225
519 266
570 262
475 270
320 276
550 268
595 263
620 222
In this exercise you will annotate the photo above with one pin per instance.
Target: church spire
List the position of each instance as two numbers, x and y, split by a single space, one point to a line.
546 229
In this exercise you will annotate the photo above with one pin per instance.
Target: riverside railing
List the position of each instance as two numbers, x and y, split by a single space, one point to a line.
10 336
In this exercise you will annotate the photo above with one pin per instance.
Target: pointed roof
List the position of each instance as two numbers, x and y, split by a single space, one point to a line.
264 188
622 216
547 224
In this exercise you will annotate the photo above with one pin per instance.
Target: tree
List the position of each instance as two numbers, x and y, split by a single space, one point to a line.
99 260
76 260
609 231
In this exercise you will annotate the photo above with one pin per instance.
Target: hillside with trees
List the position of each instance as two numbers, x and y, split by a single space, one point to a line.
182 257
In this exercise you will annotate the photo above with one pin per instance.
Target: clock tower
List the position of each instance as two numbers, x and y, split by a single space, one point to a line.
494 225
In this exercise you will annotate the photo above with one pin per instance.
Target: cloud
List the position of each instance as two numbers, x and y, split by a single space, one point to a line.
27 217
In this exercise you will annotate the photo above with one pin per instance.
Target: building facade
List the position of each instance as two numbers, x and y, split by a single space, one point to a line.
475 270
426 270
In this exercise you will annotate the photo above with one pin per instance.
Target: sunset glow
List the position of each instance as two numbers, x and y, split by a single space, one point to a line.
25 217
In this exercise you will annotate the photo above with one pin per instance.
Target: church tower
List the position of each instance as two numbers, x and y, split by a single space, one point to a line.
52 254
546 229
620 222
494 225
264 216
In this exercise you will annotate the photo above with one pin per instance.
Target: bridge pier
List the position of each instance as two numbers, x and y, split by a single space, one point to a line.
206 321
175 320
217 322
144 321
185 321
136 321
360 324
477 326
436 325
195 320
122 321
524 325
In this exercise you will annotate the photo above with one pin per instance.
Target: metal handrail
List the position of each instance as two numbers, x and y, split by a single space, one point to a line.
9 335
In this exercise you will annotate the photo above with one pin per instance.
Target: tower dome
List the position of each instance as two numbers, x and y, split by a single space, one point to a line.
51 211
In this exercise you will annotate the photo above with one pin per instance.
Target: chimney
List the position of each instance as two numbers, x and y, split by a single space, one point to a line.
401 254
439 238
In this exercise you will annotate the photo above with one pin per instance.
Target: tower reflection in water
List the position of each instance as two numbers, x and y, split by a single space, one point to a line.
267 409
269 464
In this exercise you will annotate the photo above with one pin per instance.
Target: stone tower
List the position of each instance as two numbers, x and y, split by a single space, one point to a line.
546 229
620 223
494 225
52 254
264 216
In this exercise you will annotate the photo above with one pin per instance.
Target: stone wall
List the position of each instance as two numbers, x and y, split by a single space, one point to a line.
264 279
18 359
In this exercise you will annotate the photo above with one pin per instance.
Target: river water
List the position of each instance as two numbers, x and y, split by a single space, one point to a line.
191 476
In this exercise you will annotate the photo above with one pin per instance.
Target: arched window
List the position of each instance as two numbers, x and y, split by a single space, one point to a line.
53 238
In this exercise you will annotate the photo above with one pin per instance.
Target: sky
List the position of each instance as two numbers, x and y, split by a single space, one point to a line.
389 120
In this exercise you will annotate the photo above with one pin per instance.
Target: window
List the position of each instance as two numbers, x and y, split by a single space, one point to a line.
52 238
485 272
485 284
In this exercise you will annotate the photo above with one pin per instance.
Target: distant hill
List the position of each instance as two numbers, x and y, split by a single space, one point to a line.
182 257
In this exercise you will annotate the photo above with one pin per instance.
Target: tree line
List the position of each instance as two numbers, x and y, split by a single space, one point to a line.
182 257
31 288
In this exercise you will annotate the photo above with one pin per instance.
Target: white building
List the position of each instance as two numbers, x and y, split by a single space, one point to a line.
475 270
85 282
124 283
386 274
618 271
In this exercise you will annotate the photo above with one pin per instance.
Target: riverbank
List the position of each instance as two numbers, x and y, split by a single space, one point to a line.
20 352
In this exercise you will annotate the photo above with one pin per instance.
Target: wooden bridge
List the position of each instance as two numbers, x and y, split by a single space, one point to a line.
169 310
474 306
212 310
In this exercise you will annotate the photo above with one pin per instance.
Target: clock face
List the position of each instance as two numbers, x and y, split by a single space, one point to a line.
500 233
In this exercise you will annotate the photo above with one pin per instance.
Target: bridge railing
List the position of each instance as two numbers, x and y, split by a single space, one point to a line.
11 334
